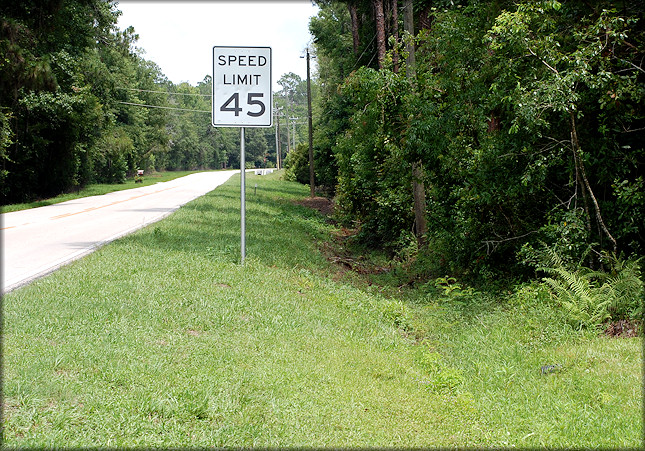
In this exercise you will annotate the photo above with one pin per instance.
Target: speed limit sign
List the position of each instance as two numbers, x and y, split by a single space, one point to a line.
242 95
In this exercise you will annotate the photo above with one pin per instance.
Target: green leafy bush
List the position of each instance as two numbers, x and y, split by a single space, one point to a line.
297 164
623 286
452 292
524 116
110 157
564 234
5 141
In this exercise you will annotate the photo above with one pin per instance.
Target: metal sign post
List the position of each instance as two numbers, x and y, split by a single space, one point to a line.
242 97
242 195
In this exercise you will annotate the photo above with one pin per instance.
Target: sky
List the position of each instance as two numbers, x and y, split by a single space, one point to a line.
179 35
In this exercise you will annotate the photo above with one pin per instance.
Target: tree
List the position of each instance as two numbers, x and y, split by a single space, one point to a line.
589 76
67 75
380 31
53 113
524 117
291 101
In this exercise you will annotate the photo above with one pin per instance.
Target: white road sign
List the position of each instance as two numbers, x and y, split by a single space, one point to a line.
242 95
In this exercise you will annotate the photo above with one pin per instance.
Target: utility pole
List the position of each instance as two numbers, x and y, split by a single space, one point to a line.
418 187
278 144
288 138
293 134
312 185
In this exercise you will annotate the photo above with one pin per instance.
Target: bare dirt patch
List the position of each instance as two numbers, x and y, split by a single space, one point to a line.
624 328
336 251
322 204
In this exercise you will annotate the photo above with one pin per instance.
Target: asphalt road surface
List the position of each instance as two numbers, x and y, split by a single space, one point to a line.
38 241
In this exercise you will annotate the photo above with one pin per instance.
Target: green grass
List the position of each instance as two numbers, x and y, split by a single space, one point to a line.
593 398
98 189
163 339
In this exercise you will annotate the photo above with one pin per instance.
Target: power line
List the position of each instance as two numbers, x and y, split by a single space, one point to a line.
176 109
167 92
365 50
165 107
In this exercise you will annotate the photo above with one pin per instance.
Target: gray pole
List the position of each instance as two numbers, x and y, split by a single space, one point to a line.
242 195
294 132
312 184
279 149
288 137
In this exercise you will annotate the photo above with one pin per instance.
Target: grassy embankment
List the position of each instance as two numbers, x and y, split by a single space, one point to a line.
99 188
162 339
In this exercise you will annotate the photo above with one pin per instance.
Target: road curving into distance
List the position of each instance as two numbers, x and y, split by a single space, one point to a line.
38 241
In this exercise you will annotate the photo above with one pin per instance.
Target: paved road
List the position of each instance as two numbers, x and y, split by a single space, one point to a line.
38 241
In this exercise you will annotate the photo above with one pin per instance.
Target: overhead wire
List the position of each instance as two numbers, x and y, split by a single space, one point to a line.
365 50
164 107
167 92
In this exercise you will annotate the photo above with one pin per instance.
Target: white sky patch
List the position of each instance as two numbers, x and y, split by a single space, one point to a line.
179 35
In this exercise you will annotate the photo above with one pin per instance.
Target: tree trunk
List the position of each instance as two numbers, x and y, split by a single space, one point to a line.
353 14
380 31
408 25
580 166
424 18
418 187
395 33
387 16
494 123
419 193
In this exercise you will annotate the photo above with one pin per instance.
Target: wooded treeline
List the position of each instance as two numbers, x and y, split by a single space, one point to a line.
487 135
80 104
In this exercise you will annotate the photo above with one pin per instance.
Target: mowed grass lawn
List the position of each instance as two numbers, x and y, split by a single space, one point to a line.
162 339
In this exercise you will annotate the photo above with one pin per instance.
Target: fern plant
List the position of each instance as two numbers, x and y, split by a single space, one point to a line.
623 286
589 298
578 294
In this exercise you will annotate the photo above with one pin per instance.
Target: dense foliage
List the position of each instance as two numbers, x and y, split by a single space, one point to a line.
79 104
525 117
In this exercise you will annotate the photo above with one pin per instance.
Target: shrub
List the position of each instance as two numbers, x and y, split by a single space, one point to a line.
110 157
297 164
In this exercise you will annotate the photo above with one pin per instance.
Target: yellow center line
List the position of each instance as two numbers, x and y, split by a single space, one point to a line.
93 208
110 204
